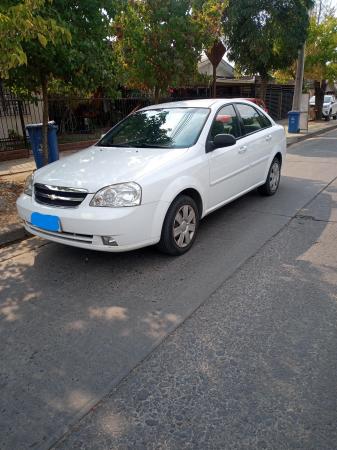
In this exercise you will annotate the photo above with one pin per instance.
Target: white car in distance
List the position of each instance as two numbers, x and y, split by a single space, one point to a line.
155 175
329 106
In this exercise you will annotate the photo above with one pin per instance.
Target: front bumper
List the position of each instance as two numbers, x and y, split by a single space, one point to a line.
85 226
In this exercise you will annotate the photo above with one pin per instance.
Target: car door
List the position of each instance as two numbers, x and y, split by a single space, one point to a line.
228 165
258 141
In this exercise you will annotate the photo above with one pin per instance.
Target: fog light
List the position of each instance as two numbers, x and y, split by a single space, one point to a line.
109 240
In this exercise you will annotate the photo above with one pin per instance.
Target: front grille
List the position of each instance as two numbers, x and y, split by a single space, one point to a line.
59 196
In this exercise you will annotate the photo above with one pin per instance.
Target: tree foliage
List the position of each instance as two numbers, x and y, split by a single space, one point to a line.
158 43
321 57
265 35
20 23
323 9
209 15
321 50
85 63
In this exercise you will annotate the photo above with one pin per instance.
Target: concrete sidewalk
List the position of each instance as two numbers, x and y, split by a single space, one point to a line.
315 129
23 165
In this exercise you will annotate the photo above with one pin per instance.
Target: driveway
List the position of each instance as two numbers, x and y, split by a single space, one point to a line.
76 323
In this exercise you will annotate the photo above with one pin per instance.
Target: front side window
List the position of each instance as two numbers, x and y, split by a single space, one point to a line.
225 122
251 118
159 128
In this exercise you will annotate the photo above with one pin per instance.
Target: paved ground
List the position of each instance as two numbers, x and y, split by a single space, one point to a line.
253 367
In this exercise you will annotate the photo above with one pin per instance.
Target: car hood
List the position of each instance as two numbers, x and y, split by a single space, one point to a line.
97 167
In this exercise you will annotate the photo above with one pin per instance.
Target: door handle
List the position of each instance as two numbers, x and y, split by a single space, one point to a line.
243 149
268 138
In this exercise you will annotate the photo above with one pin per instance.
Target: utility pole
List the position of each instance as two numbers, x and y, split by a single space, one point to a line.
299 79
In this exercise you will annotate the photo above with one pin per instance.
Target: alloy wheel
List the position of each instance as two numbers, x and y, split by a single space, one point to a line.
184 226
274 176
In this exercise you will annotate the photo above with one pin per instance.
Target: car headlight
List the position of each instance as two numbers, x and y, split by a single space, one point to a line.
118 195
28 189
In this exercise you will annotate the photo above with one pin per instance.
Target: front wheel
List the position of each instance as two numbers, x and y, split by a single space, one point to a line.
180 226
271 185
327 118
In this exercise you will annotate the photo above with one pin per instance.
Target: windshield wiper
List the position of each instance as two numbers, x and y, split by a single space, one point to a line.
135 144
152 146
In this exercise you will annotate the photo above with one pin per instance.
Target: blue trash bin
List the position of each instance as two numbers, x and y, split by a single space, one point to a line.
293 121
35 137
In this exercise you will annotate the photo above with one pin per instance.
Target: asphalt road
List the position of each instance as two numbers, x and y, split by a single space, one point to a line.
256 354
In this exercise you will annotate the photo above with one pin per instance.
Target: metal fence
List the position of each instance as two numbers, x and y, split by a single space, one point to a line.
12 121
83 119
279 100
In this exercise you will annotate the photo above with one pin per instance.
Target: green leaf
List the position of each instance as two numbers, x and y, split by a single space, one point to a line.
42 39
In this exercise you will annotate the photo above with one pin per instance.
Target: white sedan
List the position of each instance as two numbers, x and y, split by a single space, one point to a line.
329 106
155 175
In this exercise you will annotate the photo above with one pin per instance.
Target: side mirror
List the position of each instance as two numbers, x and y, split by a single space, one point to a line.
224 140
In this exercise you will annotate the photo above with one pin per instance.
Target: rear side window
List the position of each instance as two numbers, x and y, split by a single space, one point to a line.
264 121
226 122
253 120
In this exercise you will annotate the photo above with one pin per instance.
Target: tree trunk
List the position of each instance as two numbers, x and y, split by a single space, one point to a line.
263 89
299 80
45 118
214 80
156 95
320 88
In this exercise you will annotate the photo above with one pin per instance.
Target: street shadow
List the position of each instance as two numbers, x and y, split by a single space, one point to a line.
254 368
75 322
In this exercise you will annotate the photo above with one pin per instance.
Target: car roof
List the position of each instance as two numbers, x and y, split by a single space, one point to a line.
198 103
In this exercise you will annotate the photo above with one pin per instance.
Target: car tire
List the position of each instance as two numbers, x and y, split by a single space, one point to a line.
327 118
272 183
335 117
180 226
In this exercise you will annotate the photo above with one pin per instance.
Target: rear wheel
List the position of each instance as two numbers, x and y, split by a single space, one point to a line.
180 226
273 179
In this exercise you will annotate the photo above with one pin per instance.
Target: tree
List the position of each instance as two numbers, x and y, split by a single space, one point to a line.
265 35
323 9
209 15
20 23
87 62
321 57
158 44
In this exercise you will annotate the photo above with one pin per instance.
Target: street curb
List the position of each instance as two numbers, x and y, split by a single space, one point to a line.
15 233
310 135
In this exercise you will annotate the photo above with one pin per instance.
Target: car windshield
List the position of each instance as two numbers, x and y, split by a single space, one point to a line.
159 128
327 99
